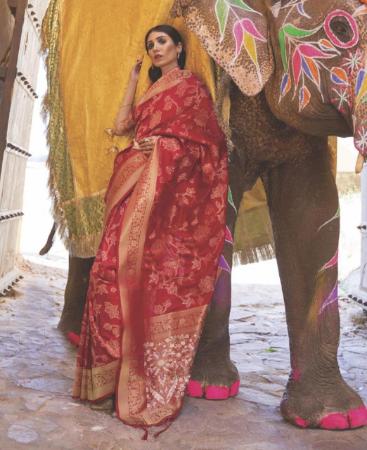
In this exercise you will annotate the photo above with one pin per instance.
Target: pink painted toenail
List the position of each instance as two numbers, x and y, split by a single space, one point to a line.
194 389
234 389
335 421
217 392
301 422
358 417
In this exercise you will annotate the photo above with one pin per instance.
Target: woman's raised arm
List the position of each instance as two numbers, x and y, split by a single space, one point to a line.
124 121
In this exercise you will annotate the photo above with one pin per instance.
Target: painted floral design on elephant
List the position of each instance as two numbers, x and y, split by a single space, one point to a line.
331 297
244 29
349 96
304 55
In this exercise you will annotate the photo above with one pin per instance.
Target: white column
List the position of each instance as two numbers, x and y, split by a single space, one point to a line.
363 280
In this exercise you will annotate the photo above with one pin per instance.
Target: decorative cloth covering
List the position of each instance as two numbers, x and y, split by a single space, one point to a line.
155 270
91 47
85 86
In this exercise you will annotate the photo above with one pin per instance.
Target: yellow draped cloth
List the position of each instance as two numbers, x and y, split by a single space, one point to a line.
92 47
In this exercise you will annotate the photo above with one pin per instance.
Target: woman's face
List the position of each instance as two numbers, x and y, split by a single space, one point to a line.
162 50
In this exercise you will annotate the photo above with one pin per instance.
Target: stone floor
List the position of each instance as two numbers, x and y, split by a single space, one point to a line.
36 370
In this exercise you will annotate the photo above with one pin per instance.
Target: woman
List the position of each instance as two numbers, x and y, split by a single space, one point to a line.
155 270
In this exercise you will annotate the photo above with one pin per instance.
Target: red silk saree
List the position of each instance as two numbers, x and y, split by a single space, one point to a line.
156 267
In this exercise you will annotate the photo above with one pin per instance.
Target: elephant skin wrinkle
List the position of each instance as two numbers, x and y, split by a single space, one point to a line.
298 71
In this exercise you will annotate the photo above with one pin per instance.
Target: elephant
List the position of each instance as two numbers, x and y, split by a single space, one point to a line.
6 29
6 32
295 72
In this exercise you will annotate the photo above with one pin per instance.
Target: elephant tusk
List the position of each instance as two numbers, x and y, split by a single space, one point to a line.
359 163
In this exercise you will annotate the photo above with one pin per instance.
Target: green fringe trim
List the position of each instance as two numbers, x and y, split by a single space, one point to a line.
253 236
254 255
79 221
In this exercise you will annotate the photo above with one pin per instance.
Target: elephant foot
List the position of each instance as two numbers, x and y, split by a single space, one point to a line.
197 390
354 418
214 381
307 405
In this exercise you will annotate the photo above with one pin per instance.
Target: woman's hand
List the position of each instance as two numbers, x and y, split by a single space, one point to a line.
135 72
112 132
146 145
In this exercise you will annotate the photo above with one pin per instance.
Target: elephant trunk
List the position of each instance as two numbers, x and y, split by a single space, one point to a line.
358 91
360 122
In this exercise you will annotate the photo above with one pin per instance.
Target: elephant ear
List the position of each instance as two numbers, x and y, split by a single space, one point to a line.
235 34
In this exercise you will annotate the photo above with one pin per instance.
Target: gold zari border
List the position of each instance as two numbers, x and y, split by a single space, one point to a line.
132 240
170 80
126 178
98 382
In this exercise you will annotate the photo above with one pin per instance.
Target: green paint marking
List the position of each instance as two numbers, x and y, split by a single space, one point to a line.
241 4
289 30
271 350
222 13
230 199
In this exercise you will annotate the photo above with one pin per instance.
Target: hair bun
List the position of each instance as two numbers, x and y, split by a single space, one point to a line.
182 59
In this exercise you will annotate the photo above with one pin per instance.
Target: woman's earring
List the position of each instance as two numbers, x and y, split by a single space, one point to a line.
178 55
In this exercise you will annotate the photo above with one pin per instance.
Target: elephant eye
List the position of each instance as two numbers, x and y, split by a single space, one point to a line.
341 28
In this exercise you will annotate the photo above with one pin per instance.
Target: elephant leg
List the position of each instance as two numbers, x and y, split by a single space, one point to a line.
75 294
304 209
213 375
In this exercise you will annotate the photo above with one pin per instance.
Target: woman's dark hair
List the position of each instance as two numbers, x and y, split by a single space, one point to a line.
155 72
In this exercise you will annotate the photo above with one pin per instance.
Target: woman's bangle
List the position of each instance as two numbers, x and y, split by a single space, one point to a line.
126 105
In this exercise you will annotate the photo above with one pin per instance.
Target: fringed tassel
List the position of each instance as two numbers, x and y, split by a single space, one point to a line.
254 255
84 247
58 161
80 237
165 428
158 433
145 435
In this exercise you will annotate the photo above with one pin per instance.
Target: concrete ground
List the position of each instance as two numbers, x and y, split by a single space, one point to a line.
37 364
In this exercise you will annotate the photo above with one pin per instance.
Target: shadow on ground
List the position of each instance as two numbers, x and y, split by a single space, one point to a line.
37 365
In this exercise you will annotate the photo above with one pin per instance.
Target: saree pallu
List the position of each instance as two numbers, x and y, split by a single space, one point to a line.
156 267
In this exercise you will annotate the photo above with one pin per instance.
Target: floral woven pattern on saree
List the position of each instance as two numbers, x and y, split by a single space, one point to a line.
155 270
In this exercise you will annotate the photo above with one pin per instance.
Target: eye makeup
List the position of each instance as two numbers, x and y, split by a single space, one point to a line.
160 39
